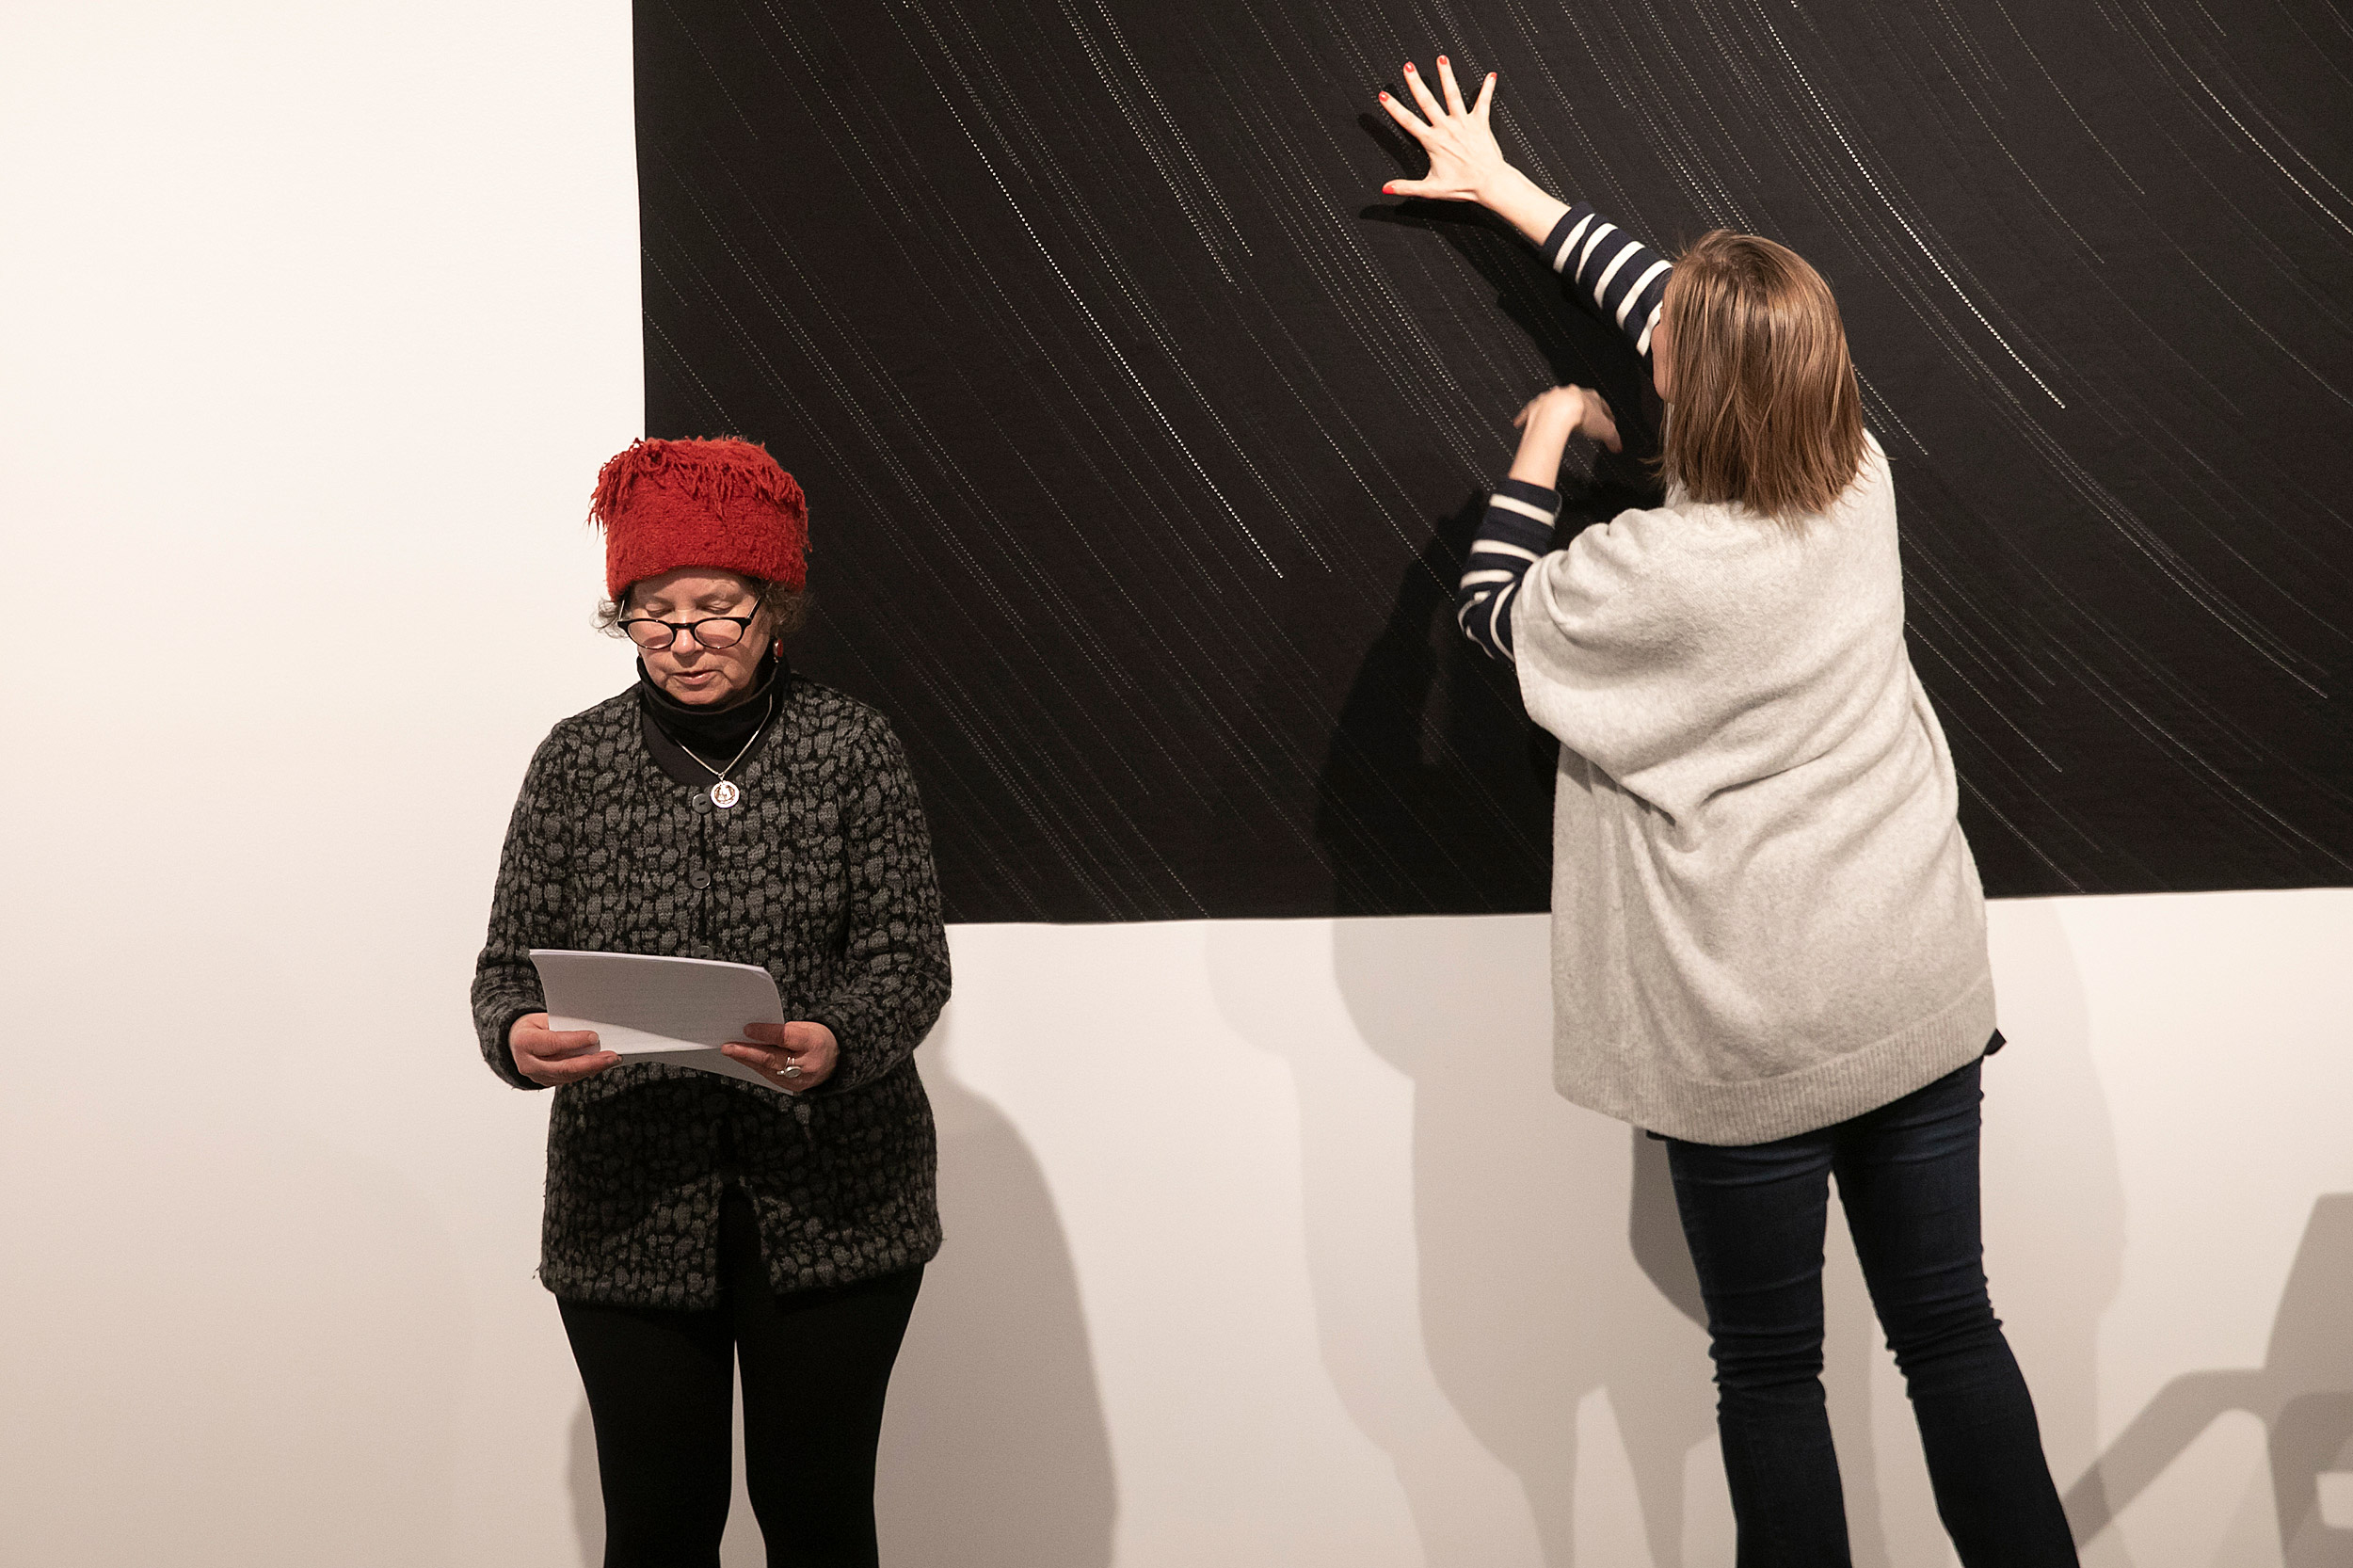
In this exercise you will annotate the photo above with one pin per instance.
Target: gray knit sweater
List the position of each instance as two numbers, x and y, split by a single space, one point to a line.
1765 918
823 876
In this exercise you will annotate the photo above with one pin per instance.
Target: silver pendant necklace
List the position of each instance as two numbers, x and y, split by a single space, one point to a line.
723 794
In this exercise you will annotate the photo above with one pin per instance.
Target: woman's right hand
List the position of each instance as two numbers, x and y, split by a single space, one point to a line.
555 1056
1466 162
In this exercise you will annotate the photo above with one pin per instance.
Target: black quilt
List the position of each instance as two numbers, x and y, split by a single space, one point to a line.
1143 434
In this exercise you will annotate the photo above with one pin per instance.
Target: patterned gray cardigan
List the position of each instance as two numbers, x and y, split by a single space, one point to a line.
821 875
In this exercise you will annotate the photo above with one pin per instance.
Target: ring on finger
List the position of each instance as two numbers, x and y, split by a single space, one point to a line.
792 1069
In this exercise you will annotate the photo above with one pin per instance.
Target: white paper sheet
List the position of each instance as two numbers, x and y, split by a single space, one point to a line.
646 1008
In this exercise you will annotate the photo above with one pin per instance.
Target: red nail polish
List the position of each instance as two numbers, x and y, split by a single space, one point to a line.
1385 97
1442 60
1409 68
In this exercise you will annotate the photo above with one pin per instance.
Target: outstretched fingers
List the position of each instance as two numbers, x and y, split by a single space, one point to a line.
1453 92
1420 90
1406 117
1462 149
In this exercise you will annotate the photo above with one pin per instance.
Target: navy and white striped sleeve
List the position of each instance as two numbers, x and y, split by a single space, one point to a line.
1625 280
1516 533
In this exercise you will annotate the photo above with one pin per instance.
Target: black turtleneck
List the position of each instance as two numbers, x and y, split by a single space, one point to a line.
671 727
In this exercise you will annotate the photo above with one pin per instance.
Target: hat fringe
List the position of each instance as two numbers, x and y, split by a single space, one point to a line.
716 472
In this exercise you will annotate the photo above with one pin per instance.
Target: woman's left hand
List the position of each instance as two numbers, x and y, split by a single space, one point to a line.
795 1057
1564 412
1548 422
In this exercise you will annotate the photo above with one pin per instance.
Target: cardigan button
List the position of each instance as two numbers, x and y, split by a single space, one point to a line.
699 877
700 800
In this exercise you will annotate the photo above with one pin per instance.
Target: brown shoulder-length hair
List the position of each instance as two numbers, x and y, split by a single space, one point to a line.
1766 410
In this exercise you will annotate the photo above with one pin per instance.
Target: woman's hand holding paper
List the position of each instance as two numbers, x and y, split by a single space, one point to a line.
795 1057
555 1057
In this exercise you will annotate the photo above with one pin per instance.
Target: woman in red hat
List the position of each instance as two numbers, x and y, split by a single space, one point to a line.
727 807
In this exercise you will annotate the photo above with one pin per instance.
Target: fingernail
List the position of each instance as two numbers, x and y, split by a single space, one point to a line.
1386 191
1385 97
1442 60
1409 68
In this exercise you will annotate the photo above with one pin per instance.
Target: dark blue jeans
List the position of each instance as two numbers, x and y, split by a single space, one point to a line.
1907 1177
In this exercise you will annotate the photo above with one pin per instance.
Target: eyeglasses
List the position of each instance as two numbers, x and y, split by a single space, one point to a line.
713 632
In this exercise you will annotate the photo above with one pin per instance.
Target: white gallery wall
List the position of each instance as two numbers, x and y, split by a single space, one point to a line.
1269 1243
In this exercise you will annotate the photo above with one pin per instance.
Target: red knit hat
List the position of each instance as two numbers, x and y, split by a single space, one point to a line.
723 504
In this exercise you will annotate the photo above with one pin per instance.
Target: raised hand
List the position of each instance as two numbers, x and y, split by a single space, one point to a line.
1465 163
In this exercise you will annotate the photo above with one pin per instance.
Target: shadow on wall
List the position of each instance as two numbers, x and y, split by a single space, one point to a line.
994 1451
587 1495
1537 1290
1502 1301
1551 1260
2303 1393
2055 1266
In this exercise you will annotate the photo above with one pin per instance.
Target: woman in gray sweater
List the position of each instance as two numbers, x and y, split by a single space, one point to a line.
1768 936
725 807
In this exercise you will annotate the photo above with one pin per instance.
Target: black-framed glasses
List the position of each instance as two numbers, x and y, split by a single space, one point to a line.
712 632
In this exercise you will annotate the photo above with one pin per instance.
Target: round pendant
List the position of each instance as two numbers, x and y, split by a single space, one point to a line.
724 794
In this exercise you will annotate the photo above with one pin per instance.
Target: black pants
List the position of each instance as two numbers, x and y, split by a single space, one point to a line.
661 1389
1908 1178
